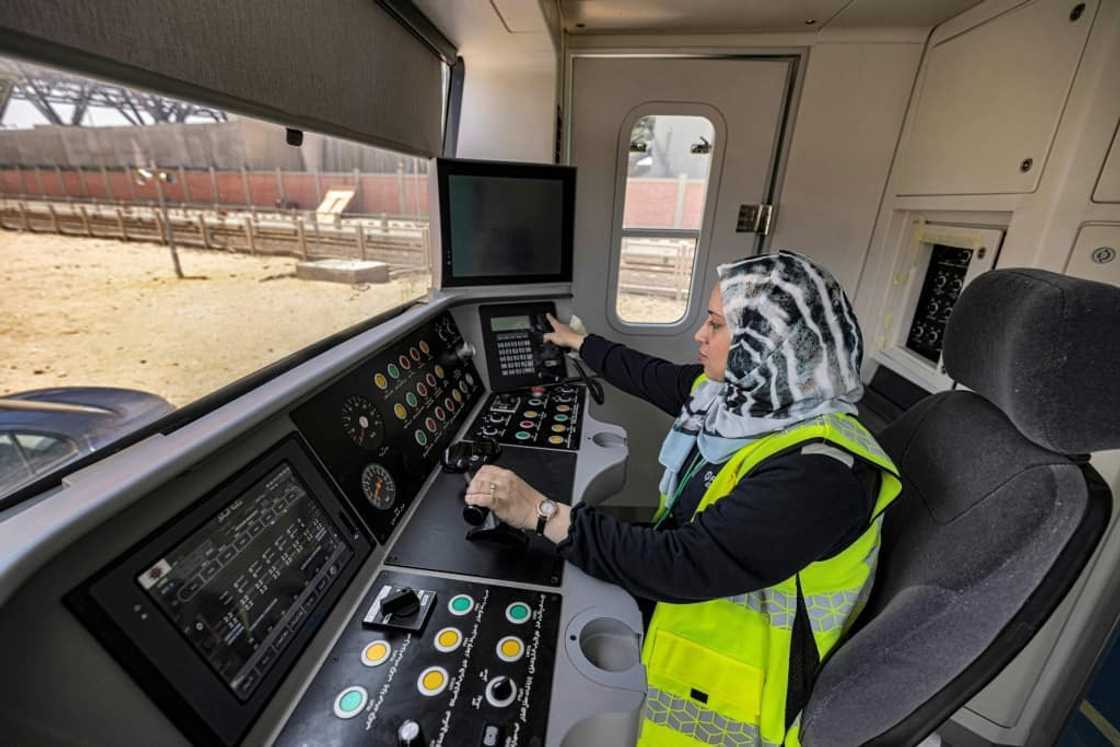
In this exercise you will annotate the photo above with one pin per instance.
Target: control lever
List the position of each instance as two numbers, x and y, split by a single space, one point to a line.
594 386
549 360
486 527
461 354
466 457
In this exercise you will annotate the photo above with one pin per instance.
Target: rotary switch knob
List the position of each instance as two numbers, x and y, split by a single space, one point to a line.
410 735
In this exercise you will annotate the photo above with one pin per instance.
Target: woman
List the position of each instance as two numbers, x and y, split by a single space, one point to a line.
763 548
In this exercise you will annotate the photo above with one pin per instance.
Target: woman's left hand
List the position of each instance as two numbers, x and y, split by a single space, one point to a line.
511 499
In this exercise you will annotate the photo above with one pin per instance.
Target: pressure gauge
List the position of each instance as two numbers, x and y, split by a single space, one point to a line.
379 487
362 423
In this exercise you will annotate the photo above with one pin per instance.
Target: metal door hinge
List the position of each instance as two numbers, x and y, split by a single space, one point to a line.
755 219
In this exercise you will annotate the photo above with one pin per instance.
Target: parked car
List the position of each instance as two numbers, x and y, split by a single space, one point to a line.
42 429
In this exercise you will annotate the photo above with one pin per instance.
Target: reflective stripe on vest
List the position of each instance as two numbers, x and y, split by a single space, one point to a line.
718 671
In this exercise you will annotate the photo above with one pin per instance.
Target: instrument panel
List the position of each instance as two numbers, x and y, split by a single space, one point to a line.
473 666
210 611
380 427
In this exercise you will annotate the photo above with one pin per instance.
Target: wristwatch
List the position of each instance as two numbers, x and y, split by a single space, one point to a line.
546 509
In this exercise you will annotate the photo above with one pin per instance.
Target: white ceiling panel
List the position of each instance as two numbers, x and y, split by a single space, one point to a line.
740 16
520 16
696 16
899 13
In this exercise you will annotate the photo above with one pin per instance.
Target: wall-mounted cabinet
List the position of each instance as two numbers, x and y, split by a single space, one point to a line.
991 99
1108 186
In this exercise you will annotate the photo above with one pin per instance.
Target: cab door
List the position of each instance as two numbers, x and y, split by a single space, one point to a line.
673 153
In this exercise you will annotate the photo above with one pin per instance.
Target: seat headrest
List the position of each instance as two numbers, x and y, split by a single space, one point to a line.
1045 349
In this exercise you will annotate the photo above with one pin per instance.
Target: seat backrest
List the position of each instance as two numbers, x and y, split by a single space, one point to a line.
996 519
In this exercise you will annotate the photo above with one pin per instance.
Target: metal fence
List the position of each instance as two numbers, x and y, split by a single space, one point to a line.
400 241
649 266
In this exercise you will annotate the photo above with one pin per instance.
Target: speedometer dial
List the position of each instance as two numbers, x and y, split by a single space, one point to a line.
362 423
379 487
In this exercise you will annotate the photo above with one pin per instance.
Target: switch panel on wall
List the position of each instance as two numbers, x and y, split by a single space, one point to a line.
941 261
948 266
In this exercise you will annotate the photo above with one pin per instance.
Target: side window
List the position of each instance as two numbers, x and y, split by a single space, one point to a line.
42 452
13 468
668 168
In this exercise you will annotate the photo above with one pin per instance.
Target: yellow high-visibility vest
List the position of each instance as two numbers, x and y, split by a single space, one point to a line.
717 672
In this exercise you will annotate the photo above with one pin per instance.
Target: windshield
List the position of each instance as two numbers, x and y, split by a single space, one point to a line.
155 250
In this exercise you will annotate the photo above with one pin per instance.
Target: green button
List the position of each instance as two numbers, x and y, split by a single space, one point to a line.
560 418
411 399
393 371
461 603
421 438
351 701
522 436
518 611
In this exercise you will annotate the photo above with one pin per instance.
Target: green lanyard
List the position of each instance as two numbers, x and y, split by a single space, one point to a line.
697 463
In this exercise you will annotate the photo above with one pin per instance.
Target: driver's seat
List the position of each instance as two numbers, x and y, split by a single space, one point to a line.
1000 508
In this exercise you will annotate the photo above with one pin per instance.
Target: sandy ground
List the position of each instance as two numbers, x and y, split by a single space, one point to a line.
633 307
77 311
98 312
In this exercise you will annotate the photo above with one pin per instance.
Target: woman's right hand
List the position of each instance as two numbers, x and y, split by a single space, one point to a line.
563 335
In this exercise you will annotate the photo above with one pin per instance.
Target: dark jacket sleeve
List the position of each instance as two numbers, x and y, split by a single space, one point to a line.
791 511
659 382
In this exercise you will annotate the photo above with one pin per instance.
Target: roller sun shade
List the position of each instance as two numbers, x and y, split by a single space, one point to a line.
345 67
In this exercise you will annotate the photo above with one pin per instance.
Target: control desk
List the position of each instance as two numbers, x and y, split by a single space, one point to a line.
327 589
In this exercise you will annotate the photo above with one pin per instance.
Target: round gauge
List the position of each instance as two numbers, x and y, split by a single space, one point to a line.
362 423
379 486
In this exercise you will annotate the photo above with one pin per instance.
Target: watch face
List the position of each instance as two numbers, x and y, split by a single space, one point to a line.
546 508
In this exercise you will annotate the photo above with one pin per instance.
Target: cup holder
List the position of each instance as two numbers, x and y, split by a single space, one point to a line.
609 440
609 644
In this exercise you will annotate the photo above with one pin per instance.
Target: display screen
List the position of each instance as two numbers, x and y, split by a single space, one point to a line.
509 323
505 226
240 586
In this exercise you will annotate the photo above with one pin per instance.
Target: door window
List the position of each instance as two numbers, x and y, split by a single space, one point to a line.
668 165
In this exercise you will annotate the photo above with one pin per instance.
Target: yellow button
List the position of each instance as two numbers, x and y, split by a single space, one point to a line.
376 653
399 410
531 413
448 640
556 439
559 428
432 681
511 648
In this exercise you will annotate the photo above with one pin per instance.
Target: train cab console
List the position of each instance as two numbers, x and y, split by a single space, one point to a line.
297 566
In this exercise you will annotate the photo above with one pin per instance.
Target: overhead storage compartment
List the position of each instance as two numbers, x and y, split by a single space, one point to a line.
991 99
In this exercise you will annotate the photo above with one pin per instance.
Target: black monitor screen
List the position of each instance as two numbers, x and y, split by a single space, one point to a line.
506 223
242 583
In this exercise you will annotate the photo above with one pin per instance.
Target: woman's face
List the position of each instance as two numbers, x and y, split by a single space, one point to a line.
714 338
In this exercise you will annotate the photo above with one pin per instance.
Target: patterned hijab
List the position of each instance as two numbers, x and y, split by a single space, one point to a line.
795 353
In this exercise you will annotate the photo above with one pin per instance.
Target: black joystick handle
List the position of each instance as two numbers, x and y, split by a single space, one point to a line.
475 515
